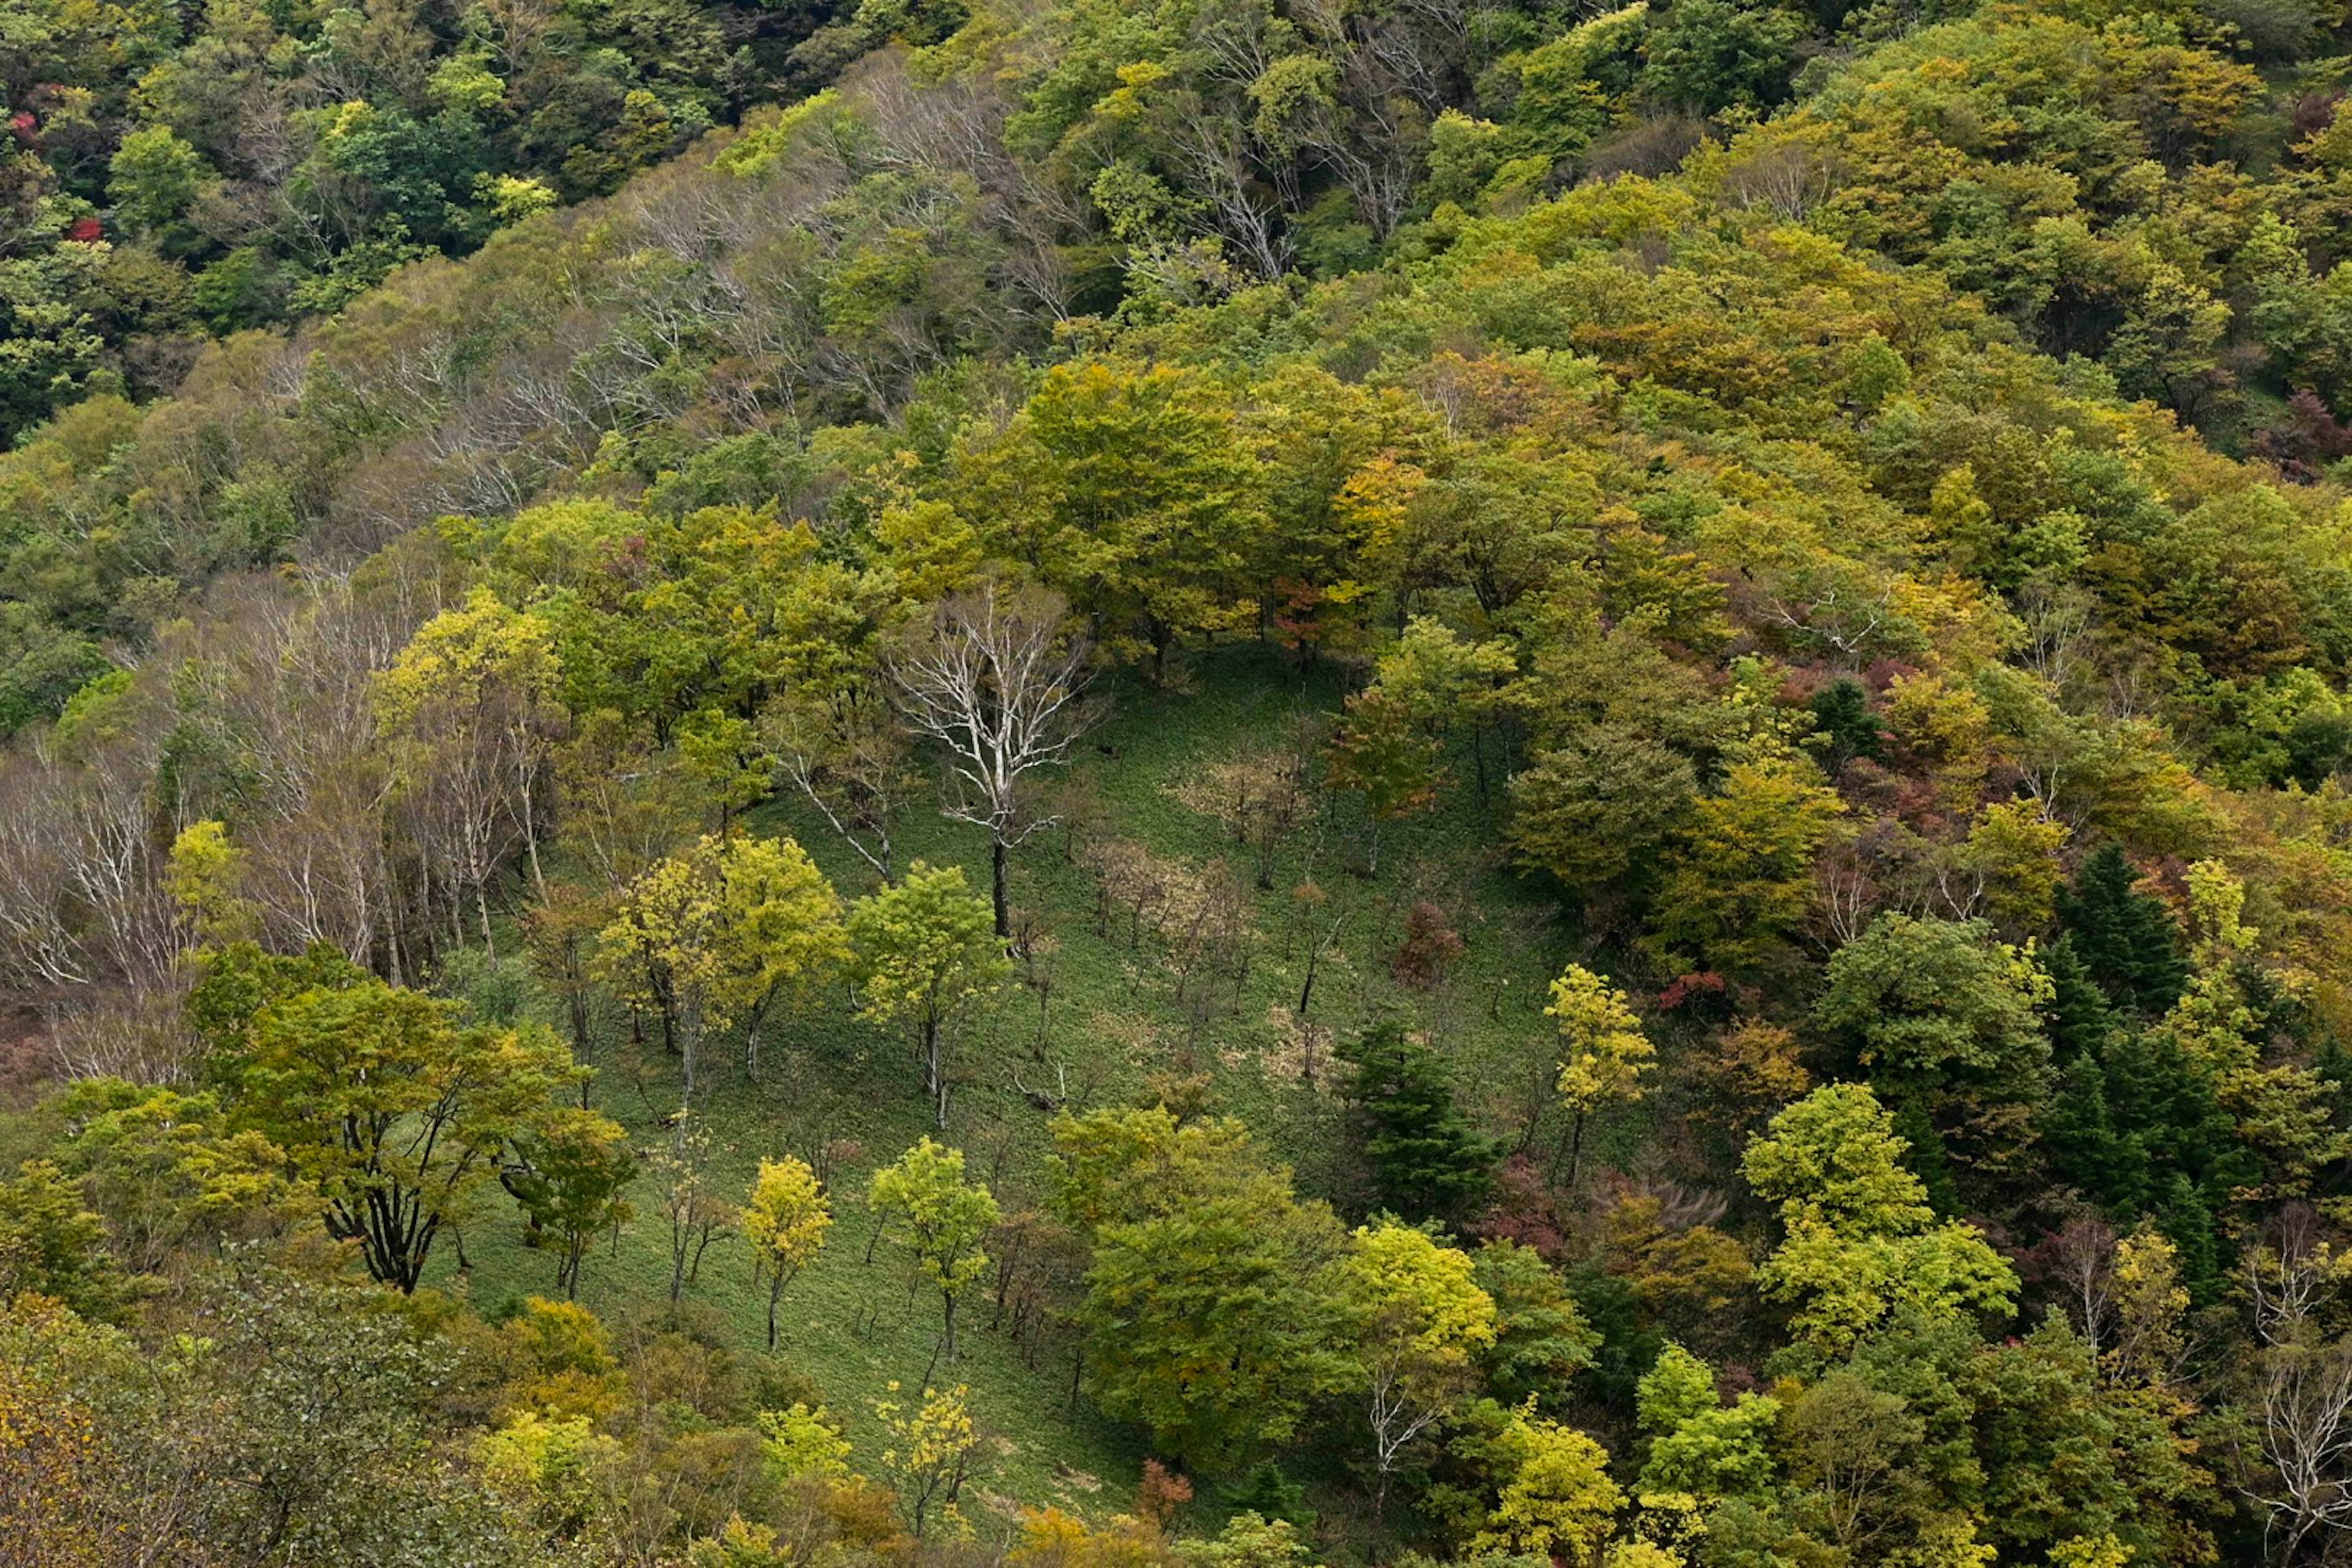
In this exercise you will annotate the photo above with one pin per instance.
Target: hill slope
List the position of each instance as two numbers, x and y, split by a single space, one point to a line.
1663 895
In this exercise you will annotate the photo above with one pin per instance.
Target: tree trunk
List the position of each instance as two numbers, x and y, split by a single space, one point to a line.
996 880
935 1076
751 1035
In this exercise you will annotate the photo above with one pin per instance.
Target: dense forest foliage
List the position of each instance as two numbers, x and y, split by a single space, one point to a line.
1224 784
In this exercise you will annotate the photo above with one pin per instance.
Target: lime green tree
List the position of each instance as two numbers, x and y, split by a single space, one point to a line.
153 178
552 1465
1861 1243
710 937
203 876
802 1441
1742 876
469 716
167 1173
1132 491
1445 682
784 1219
572 1173
924 1205
1420 1320
1602 1052
926 949
53 1244
930 1455
1699 1446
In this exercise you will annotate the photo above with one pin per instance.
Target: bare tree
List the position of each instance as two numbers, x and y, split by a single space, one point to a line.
837 744
2303 1487
994 679
2301 1398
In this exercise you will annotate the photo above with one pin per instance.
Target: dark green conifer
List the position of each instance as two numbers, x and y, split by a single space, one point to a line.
1427 1162
1845 726
2079 1132
2078 1017
2127 942
2187 1221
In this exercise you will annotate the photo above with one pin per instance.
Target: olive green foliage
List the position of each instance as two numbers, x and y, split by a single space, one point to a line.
571 1174
925 1206
1212 1302
1944 1017
926 949
392 1110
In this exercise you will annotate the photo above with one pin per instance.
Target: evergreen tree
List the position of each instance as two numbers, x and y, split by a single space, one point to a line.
2077 1017
2334 1066
2187 1221
1272 1496
2127 940
2164 1104
1844 727
1427 1160
1927 1158
2129 1124
2079 1130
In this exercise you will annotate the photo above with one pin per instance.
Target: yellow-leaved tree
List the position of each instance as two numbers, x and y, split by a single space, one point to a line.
1419 1317
203 876
924 1205
711 936
785 1221
1602 1052
1559 1501
469 716
929 1454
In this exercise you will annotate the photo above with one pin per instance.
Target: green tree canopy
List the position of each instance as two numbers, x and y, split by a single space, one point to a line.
1943 1015
926 1206
925 948
1213 1306
1859 1242
393 1110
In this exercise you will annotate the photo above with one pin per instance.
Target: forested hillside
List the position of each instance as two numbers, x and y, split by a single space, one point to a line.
1217 785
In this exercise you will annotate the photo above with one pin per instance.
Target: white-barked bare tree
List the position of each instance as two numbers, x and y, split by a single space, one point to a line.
997 678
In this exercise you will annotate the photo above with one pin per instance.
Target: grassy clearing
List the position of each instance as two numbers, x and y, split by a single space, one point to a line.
1110 1021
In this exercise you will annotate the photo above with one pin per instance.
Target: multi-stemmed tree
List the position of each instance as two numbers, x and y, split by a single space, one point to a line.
996 679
